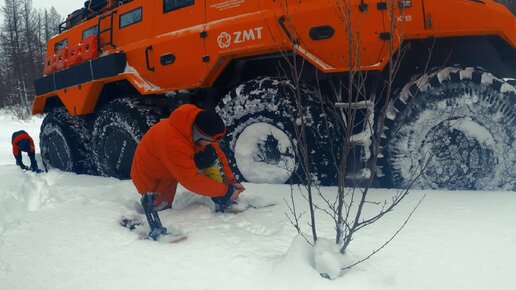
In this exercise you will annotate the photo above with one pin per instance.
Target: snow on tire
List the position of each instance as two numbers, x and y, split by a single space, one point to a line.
65 142
457 123
118 129
260 141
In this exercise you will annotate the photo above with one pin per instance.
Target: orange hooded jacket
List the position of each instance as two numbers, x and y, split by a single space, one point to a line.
165 156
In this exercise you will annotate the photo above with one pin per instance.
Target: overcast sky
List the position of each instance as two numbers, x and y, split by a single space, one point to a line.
63 7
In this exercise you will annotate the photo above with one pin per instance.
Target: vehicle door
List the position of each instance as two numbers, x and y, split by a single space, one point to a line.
177 51
234 29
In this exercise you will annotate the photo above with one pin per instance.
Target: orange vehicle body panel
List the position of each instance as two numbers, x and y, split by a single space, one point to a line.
83 98
205 37
50 64
79 98
88 48
61 58
492 21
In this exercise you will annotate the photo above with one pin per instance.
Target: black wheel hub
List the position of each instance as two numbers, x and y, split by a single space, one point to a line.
268 151
457 160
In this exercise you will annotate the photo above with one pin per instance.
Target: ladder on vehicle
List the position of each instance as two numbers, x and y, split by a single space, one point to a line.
362 140
108 29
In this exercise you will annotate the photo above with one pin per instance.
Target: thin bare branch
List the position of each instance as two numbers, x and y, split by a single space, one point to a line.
390 239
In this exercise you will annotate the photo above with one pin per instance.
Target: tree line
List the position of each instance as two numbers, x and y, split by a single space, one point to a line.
24 32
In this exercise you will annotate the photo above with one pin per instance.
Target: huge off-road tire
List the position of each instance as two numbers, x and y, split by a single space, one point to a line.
118 129
65 142
455 127
261 143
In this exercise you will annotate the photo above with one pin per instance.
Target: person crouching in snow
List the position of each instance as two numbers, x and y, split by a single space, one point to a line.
182 149
22 142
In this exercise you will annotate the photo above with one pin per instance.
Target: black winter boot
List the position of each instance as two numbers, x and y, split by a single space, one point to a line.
151 212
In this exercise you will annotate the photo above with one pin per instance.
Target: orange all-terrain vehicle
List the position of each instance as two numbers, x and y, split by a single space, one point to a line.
117 67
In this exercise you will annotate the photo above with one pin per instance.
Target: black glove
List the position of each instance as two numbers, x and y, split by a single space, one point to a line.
223 202
206 158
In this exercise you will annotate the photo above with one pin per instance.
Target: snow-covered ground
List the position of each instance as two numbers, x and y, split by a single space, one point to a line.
61 231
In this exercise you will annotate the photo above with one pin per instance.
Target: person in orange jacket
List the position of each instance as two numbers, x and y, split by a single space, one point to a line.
182 149
22 142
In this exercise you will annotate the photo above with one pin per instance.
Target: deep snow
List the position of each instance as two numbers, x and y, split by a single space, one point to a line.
60 231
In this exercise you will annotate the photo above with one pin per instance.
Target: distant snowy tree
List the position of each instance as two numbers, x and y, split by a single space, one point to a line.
23 36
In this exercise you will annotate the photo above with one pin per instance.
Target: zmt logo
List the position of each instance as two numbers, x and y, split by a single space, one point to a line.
225 39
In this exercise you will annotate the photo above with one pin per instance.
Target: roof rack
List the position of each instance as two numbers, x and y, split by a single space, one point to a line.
90 10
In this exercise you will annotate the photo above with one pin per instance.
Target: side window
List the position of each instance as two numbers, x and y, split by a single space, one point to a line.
131 17
60 45
90 31
170 5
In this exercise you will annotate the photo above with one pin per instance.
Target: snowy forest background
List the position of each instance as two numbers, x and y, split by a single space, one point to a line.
24 31
23 34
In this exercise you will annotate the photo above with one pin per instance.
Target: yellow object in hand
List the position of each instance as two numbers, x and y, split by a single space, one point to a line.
213 172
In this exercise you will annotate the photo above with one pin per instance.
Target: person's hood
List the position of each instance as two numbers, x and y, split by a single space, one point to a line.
182 119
